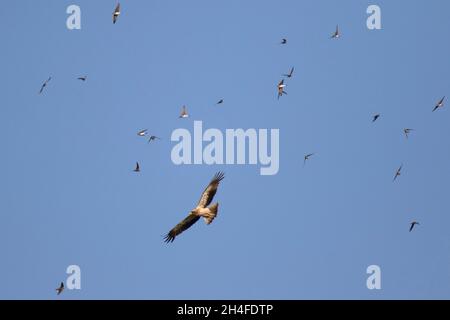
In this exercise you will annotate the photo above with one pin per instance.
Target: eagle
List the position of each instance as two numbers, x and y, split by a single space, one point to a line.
202 210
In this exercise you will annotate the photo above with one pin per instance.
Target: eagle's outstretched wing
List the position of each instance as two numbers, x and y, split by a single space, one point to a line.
182 226
210 190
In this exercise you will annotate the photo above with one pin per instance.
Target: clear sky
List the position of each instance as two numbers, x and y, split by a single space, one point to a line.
69 196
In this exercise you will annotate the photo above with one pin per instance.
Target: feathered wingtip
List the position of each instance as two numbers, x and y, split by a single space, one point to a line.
168 238
218 176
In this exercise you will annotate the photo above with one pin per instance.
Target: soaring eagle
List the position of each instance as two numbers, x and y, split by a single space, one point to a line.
202 209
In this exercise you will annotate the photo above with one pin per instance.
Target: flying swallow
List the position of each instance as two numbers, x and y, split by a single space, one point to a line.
336 33
306 158
184 113
280 88
45 84
289 75
375 117
116 13
398 173
84 78
283 41
407 132
440 104
220 101
137 169
142 133
153 138
412 225
60 289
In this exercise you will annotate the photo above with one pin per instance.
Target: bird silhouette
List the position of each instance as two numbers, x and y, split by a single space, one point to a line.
398 173
60 289
407 132
306 158
84 78
137 168
336 33
45 84
116 13
414 223
142 133
280 88
153 138
289 75
283 41
184 113
375 117
440 104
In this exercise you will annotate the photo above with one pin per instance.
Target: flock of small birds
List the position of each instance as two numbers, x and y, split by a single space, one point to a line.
203 208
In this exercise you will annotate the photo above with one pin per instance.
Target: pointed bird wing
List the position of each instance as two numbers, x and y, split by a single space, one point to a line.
182 226
116 12
412 226
439 104
44 84
398 172
210 191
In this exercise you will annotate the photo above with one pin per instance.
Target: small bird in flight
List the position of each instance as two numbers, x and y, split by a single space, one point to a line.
84 78
60 289
336 33
142 133
412 225
280 88
202 210
398 173
116 13
440 104
137 169
184 113
289 75
220 101
375 117
407 132
283 41
153 138
307 158
45 84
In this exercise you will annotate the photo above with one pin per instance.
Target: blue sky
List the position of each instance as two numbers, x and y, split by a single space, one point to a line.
69 195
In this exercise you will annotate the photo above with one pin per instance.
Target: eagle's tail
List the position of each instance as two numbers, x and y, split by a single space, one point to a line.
213 209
